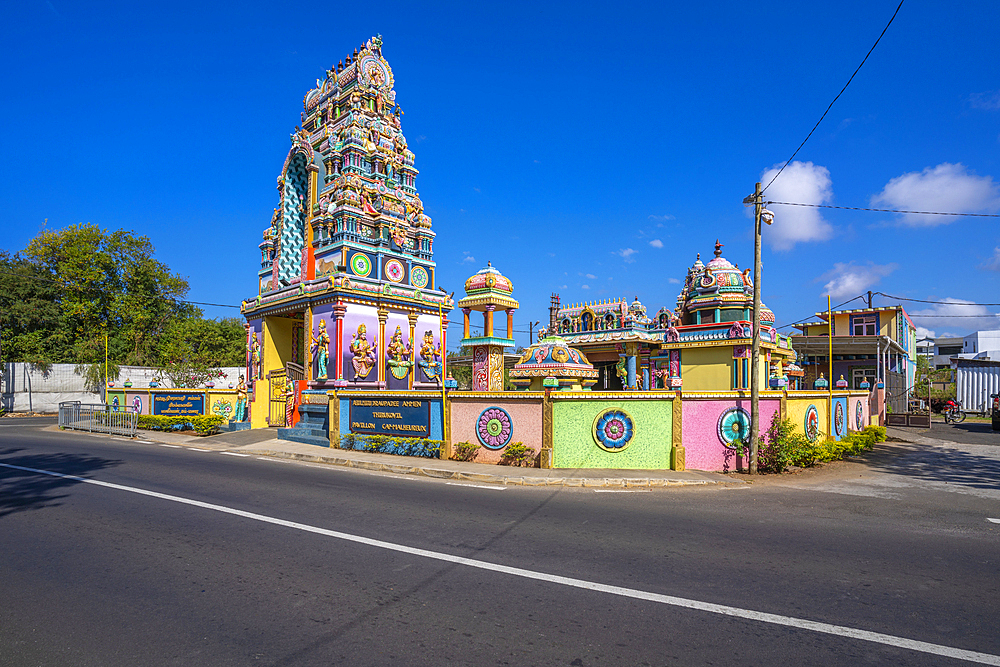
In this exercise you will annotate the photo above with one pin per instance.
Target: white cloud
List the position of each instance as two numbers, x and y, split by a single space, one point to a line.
656 243
626 254
923 332
957 314
468 257
591 276
584 286
851 279
661 217
946 187
800 183
988 100
673 281
993 263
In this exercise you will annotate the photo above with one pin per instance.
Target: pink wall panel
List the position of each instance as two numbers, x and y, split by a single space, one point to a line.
525 415
699 422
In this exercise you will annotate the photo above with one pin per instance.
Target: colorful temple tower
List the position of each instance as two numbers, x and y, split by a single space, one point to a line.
347 294
486 292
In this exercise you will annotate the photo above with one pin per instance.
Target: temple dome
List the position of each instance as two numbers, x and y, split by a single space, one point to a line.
489 279
719 285
553 357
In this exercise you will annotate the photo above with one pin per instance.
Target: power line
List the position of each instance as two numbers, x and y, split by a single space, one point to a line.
790 324
946 303
789 160
884 210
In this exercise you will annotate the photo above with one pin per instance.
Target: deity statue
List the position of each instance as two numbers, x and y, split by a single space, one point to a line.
621 371
321 343
241 401
255 352
431 357
364 353
289 401
398 355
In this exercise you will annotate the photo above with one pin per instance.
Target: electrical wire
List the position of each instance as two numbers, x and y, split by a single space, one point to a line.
789 160
884 210
947 303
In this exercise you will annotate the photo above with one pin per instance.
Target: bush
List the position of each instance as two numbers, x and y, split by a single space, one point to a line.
519 455
465 451
877 431
204 425
389 444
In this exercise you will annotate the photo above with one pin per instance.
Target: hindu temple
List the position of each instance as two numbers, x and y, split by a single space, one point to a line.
347 296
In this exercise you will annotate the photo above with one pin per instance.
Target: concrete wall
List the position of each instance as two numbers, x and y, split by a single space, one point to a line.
705 449
705 368
574 445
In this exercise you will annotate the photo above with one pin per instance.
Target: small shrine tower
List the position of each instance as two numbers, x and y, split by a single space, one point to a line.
487 292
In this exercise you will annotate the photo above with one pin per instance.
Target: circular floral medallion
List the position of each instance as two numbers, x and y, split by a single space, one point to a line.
811 423
137 404
859 416
394 270
613 430
838 418
734 424
419 277
361 265
494 428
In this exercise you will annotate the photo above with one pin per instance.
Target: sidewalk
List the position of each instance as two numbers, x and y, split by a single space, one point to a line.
261 442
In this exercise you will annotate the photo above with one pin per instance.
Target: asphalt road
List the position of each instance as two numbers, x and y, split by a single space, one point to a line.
104 575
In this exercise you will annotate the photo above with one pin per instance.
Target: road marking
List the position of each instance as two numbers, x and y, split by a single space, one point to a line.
686 603
993 520
621 490
233 454
268 458
146 442
478 486
196 449
174 446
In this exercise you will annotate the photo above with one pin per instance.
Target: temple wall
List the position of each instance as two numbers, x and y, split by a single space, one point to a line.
525 415
701 422
707 368
798 405
573 444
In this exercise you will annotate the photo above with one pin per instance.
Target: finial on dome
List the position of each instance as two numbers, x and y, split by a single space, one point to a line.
697 257
488 263
718 248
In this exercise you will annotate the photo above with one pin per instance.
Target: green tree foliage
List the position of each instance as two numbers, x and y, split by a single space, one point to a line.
71 287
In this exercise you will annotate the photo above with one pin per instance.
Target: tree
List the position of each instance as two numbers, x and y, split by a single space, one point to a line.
110 283
32 327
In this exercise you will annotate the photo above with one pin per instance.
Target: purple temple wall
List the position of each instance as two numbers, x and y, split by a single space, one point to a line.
427 323
356 316
323 313
396 319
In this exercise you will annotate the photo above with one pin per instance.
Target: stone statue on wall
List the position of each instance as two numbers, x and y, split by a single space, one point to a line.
255 353
398 355
321 343
241 401
364 353
430 357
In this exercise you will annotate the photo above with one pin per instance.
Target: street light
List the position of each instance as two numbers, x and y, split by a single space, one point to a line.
761 214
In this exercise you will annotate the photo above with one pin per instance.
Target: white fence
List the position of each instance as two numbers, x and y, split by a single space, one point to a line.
28 388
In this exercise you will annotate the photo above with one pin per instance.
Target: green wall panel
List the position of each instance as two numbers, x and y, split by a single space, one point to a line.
573 443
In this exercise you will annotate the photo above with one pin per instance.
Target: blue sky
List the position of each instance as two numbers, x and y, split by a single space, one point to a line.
589 150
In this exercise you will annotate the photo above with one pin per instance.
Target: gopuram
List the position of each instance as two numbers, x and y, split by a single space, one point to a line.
346 288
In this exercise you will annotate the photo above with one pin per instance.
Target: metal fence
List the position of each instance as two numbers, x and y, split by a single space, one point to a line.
98 418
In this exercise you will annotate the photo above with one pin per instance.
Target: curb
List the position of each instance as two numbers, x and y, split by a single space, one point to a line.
505 480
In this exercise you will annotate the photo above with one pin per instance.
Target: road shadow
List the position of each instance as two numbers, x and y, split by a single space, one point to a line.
953 466
23 490
975 433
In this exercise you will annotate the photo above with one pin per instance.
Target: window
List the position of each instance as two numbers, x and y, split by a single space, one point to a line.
859 375
865 325
741 368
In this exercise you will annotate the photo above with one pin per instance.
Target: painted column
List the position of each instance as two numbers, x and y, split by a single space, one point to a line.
412 317
645 378
339 311
465 314
510 324
444 346
383 315
630 352
488 321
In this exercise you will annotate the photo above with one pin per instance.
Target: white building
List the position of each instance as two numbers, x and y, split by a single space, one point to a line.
982 345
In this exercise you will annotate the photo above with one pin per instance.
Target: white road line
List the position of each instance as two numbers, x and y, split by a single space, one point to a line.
197 449
174 446
478 486
621 490
233 454
993 520
697 605
268 458
146 442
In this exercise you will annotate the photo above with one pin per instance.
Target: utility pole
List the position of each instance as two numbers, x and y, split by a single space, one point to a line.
531 330
758 202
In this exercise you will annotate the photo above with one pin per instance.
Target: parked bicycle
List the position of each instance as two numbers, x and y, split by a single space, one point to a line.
953 413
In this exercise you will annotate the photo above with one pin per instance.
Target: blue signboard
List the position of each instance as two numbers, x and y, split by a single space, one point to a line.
179 405
391 416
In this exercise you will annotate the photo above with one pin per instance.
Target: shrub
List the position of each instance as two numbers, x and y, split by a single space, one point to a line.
465 451
877 431
389 444
205 425
518 454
